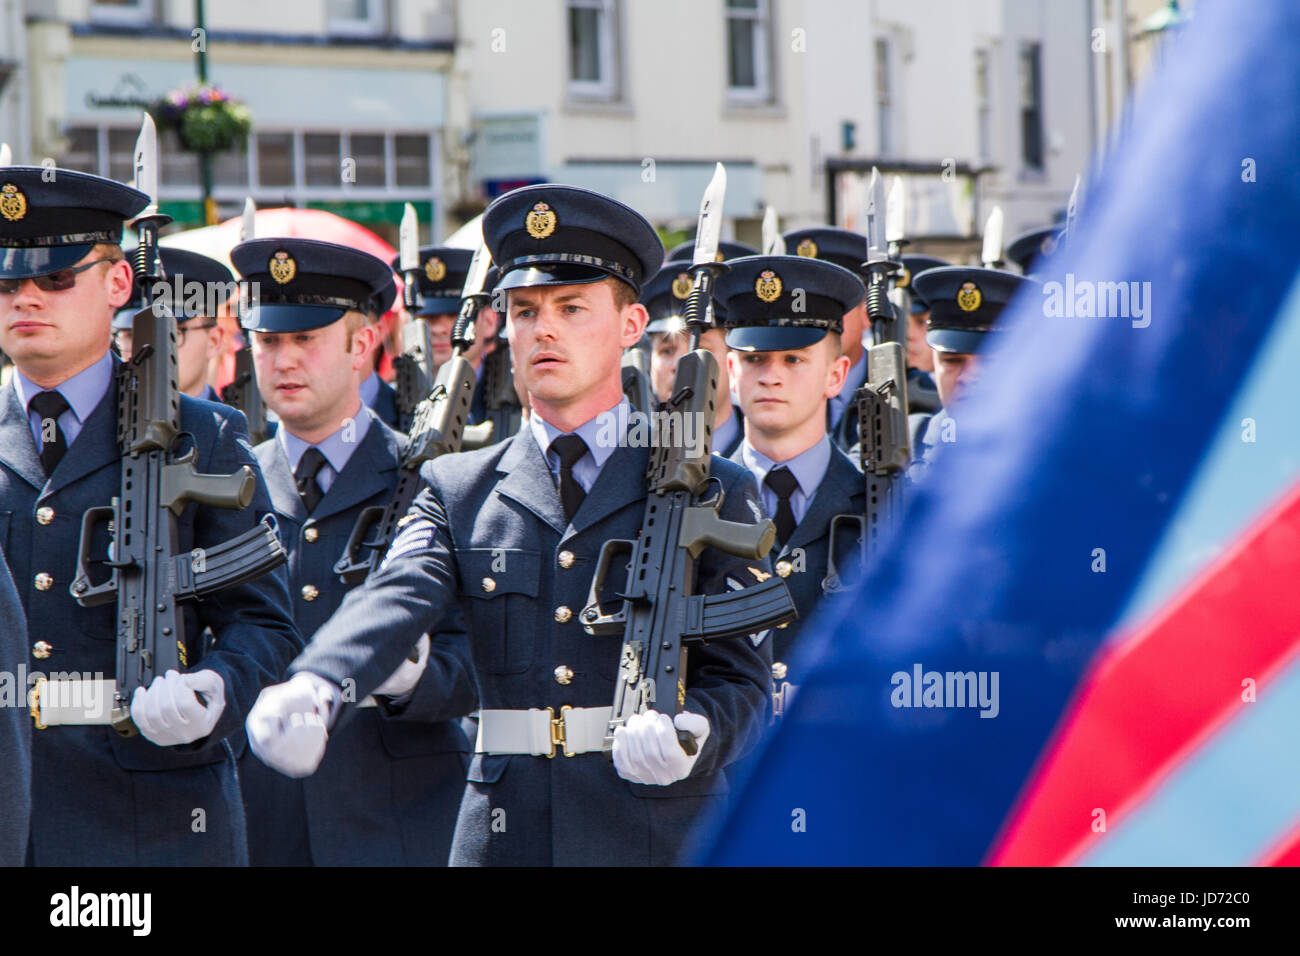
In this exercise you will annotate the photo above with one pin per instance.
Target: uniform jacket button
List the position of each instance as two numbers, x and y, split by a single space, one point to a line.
44 515
309 592
779 670
489 585
44 581
563 675
566 559
562 614
41 650
783 569
311 534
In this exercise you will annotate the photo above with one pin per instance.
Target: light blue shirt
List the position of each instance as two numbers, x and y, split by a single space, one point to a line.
602 434
857 375
726 433
337 448
808 467
370 389
82 392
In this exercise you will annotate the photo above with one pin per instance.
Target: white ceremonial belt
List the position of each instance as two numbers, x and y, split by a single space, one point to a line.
83 703
578 730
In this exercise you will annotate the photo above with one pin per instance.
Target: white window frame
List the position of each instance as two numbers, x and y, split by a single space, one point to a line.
984 104
368 26
141 11
885 99
761 91
606 88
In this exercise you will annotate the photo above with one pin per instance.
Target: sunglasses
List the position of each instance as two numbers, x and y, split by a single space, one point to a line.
60 281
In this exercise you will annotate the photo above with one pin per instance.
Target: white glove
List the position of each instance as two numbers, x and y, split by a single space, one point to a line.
170 712
288 727
403 680
646 749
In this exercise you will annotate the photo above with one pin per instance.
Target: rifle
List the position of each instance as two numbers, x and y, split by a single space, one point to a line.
148 578
504 411
413 379
884 444
636 381
242 392
414 367
438 429
660 617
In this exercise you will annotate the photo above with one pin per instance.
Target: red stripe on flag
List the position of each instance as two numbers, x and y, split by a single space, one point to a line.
1159 693
1285 853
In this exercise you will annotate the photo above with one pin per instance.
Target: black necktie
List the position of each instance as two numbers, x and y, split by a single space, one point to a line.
783 482
50 405
569 449
309 490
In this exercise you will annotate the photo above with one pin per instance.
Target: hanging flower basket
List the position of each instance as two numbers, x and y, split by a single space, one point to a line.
206 119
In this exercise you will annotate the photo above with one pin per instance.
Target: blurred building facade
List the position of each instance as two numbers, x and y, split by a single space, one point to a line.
361 105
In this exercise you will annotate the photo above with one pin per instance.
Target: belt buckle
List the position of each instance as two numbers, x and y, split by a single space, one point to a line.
557 732
34 703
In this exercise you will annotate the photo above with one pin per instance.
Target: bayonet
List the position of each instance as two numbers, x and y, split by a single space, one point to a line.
773 241
1072 209
6 155
991 255
248 222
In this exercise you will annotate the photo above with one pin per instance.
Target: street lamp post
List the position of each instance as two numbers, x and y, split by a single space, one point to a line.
205 158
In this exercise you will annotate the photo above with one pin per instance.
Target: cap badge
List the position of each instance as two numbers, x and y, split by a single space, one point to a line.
1048 245
282 267
435 269
683 285
904 278
13 204
540 221
969 297
768 286
806 248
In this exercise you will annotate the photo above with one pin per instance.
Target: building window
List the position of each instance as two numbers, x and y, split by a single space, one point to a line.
275 159
120 147
121 11
412 166
369 157
592 45
983 106
749 57
884 97
322 165
1031 107
354 17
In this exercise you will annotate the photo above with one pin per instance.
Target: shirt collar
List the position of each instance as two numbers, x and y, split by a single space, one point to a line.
337 448
370 389
808 467
82 392
595 431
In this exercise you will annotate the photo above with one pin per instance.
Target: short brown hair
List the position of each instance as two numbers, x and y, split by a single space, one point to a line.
624 295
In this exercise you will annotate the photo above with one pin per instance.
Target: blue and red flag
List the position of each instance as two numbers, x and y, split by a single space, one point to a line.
1094 457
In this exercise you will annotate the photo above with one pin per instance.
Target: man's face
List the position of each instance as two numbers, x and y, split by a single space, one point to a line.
568 340
440 336
919 353
782 391
309 379
199 341
855 322
953 371
665 349
51 336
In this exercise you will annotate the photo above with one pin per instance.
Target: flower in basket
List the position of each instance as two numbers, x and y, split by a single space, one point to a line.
206 119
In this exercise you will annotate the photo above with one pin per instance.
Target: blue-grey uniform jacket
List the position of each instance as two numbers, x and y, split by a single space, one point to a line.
15 727
389 787
104 799
488 532
803 560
